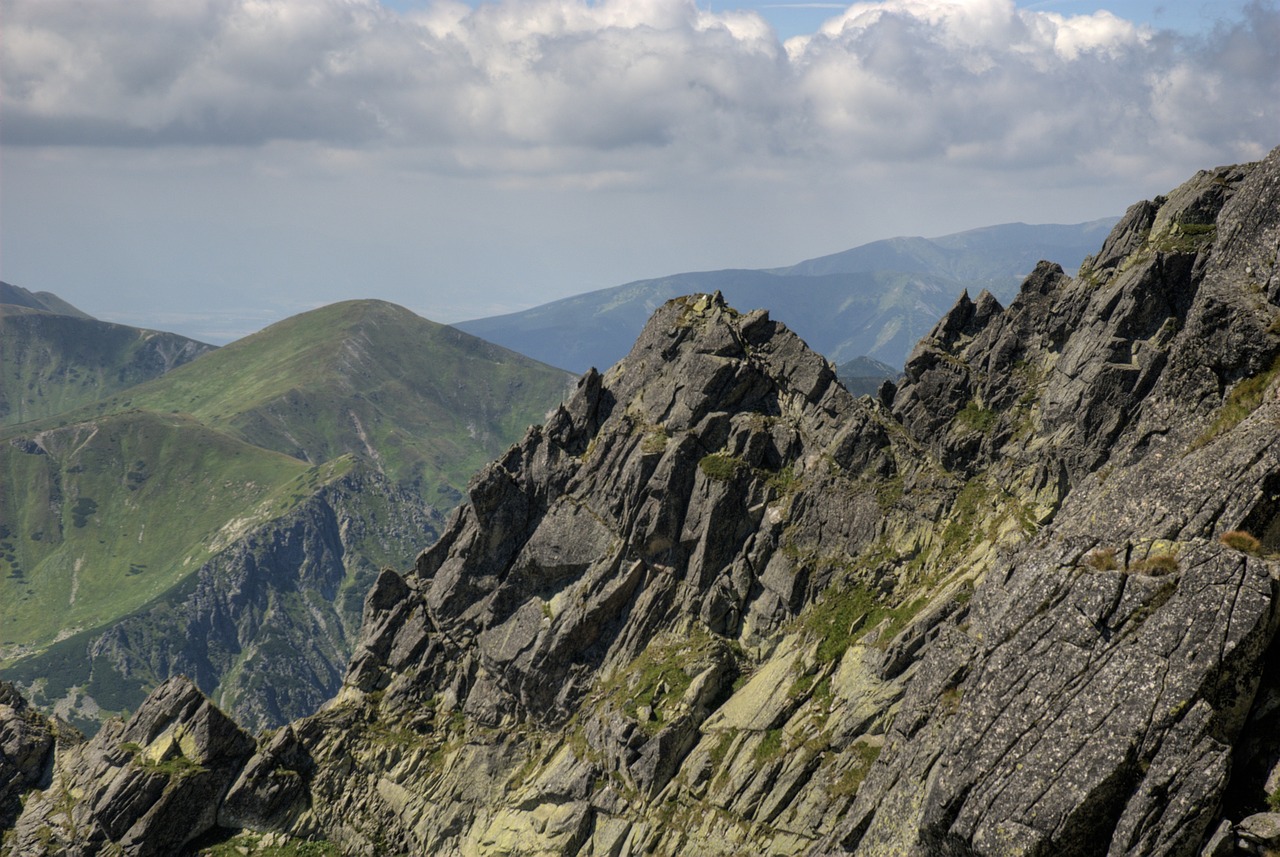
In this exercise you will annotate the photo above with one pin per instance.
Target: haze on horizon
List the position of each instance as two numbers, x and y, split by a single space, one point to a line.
211 166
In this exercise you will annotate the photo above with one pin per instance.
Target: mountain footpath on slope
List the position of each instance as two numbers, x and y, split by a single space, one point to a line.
1024 602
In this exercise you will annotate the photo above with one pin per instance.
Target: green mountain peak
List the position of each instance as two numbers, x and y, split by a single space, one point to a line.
420 399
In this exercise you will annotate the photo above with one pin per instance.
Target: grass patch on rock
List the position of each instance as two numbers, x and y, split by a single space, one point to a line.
268 845
976 418
848 611
842 616
1241 541
656 680
1243 400
1155 565
864 756
769 748
1102 559
720 466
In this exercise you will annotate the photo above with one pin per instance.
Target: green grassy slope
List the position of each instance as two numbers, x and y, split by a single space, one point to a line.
51 363
427 403
99 517
48 301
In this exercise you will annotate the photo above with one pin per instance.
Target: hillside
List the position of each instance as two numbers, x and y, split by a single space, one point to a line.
425 403
54 358
1027 603
88 515
16 296
876 300
120 531
274 476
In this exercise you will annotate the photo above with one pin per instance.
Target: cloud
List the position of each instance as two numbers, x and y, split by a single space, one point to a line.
626 90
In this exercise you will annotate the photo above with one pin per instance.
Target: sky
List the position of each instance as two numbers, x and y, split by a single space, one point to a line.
212 166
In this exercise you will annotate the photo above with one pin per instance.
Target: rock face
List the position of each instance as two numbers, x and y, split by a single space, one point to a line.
1109 668
146 787
717 605
583 616
26 748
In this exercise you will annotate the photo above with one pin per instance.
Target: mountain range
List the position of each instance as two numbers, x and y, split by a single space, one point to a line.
873 301
1024 601
224 518
257 441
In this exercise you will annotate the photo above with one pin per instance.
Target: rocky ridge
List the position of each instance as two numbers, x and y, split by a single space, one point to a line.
147 787
717 604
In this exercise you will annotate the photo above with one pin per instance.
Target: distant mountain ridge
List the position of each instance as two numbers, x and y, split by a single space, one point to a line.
863 376
987 253
54 357
49 302
875 300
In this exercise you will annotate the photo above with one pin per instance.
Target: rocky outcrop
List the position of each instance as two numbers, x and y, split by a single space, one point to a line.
1101 691
145 787
26 751
588 610
717 605
1087 705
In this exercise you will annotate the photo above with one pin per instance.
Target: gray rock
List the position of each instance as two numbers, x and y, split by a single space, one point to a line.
1262 828
146 787
1221 843
1116 720
26 751
272 789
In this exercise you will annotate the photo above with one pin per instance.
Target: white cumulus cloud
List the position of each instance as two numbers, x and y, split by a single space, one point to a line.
627 87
